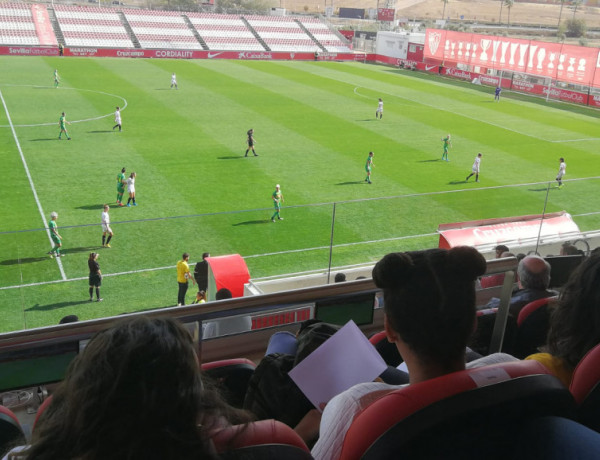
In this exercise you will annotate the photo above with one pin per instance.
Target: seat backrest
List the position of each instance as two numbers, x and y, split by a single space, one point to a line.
533 324
41 410
386 349
585 387
460 415
232 377
11 433
265 440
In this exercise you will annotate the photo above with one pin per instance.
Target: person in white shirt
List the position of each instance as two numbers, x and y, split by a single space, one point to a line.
131 189
429 315
475 168
379 111
117 119
562 170
174 81
106 230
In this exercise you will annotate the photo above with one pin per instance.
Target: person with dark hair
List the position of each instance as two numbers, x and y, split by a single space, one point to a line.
131 189
475 168
201 273
62 122
117 119
183 275
574 321
121 182
368 166
567 249
106 230
340 277
500 249
69 319
95 277
134 392
250 141
429 314
223 294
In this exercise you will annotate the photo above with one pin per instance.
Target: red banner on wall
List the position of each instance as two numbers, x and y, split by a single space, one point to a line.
386 14
569 63
43 26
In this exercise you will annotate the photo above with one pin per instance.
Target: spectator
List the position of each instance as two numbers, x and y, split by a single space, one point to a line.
201 297
567 249
201 273
500 249
223 294
69 319
429 315
534 279
575 321
339 277
134 392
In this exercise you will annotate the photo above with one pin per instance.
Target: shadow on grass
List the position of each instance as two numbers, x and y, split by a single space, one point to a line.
355 182
368 119
232 157
80 249
252 222
541 189
56 306
25 260
92 207
430 161
458 182
101 131
44 139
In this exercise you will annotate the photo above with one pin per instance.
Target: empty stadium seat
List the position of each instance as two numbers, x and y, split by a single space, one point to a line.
11 433
466 414
533 323
264 440
586 389
232 377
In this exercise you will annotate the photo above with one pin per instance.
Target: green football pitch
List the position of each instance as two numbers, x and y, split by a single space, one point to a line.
314 124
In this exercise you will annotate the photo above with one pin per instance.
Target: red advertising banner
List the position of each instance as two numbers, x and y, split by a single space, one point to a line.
511 230
386 14
569 63
28 51
43 26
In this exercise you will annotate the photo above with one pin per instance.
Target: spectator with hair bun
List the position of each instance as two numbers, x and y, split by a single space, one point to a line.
429 314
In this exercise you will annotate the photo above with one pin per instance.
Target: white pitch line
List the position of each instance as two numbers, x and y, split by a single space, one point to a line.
35 195
74 121
474 119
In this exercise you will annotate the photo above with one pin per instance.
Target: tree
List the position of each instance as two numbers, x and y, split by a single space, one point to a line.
444 10
575 28
500 16
509 4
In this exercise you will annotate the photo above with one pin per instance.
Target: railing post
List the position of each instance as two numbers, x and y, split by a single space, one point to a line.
331 244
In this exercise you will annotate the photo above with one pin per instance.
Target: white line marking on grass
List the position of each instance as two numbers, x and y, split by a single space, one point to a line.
74 121
436 107
35 195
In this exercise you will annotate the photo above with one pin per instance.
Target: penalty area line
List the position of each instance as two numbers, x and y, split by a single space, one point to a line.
35 195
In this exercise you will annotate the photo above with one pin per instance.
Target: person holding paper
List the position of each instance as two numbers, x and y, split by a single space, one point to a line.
429 315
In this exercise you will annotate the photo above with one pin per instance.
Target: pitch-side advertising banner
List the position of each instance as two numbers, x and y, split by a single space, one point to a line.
569 63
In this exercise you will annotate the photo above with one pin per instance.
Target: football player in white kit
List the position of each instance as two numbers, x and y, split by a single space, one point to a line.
379 110
562 170
475 168
117 119
174 81
106 228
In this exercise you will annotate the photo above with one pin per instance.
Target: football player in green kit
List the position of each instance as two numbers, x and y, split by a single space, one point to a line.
54 235
368 167
121 181
277 200
62 122
447 144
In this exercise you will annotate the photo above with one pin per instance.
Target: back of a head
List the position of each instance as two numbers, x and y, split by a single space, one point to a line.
575 323
223 294
534 273
134 392
430 299
340 277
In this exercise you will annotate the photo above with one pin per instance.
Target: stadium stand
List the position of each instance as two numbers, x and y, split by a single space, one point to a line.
161 29
282 34
92 26
224 32
16 25
321 32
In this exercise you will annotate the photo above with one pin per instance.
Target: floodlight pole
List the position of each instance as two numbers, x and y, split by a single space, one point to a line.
331 243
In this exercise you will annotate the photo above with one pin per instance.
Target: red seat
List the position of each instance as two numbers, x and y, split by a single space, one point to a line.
264 440
232 377
533 324
11 433
586 389
466 414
